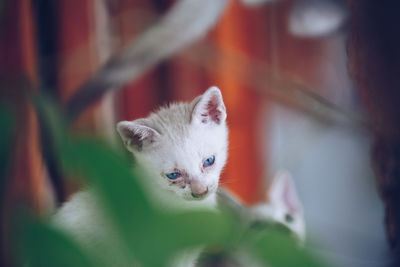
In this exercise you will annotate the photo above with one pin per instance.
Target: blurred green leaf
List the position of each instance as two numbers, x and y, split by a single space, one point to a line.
153 237
52 120
137 221
198 227
6 136
110 173
176 232
116 182
275 248
43 246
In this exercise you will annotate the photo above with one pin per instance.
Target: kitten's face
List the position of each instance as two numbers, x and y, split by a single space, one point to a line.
183 147
189 165
284 207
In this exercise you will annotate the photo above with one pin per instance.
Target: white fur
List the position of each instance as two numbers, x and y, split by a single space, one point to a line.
283 201
182 142
87 223
176 137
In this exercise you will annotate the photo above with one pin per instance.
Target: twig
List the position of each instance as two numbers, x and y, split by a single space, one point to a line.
187 21
275 85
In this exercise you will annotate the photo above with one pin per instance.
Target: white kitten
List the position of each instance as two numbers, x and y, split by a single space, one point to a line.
281 207
183 149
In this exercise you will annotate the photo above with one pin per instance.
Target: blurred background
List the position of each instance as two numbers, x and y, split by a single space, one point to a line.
282 67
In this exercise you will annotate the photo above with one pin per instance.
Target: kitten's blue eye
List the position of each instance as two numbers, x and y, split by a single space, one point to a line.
173 175
209 161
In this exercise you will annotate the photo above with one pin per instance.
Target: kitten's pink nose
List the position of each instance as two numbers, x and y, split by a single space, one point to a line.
198 189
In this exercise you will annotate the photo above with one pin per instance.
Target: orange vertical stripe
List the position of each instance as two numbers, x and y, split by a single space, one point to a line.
18 51
243 171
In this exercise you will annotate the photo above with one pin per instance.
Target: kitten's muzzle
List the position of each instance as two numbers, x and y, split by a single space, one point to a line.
199 190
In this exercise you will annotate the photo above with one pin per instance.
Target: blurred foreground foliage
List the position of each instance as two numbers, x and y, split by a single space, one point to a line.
151 236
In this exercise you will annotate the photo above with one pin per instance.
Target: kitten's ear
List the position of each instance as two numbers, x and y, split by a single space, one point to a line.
282 192
137 136
209 108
